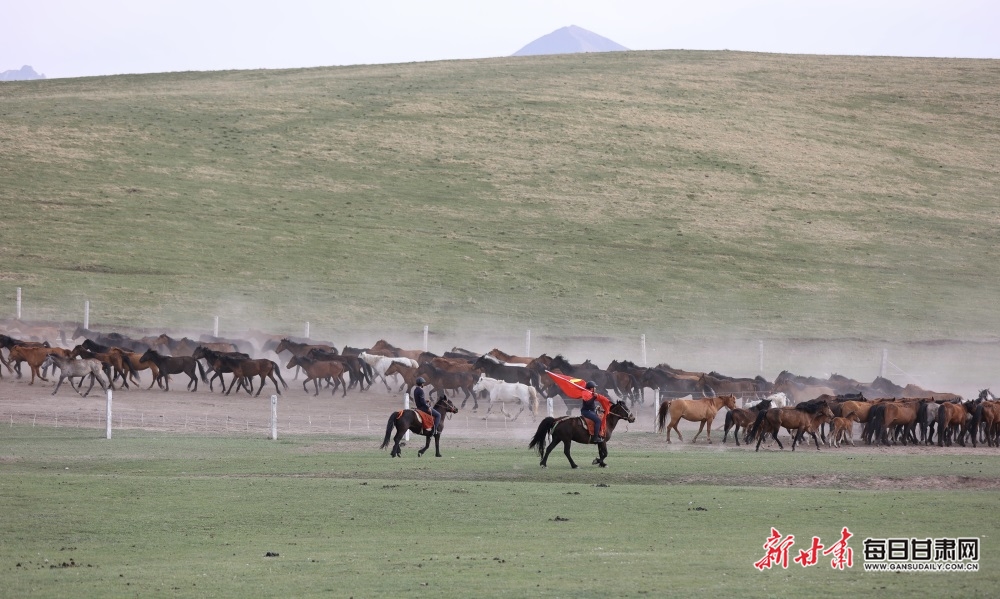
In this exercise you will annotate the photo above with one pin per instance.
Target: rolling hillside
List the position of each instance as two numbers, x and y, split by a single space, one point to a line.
700 194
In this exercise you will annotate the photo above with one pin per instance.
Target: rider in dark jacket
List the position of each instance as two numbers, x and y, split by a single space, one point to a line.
589 410
421 401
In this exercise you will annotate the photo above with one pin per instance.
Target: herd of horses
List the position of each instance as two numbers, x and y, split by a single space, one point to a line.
822 408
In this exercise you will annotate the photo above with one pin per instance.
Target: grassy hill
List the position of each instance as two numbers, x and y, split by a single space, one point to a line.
704 194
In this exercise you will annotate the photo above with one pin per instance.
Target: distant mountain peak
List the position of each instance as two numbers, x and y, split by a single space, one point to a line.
570 40
23 74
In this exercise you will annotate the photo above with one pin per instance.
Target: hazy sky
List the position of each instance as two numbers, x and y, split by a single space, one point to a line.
70 38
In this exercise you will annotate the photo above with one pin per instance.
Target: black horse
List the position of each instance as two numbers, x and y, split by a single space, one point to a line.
409 420
175 365
573 428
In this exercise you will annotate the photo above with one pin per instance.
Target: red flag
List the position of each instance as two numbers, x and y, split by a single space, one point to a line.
574 388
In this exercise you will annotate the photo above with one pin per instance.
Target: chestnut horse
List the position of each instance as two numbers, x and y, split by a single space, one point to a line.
696 410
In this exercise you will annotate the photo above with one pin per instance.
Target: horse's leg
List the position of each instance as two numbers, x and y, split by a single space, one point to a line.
566 445
701 427
92 378
548 450
602 452
673 425
397 451
62 377
427 444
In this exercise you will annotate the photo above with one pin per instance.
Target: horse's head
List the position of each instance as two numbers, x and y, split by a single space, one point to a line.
444 405
283 345
620 409
729 401
560 363
480 385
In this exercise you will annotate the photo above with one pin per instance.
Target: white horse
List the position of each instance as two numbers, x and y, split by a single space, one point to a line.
70 368
379 365
500 391
778 400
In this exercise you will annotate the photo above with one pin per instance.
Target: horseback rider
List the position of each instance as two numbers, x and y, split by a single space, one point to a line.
589 410
421 401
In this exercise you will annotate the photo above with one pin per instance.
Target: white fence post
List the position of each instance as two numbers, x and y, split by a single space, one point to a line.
307 329
215 329
642 343
426 329
19 303
274 417
406 406
549 407
761 352
885 360
108 428
656 406
86 314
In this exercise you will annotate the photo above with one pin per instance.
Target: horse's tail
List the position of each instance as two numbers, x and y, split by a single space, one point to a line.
728 425
977 418
535 402
875 419
538 441
941 420
201 371
388 430
755 429
661 416
277 371
368 372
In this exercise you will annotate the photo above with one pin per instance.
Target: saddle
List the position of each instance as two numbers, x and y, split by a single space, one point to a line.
426 418
587 422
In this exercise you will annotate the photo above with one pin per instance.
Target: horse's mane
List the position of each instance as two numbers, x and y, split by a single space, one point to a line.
812 406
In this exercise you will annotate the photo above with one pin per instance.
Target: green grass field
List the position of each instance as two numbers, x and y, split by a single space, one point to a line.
696 194
152 515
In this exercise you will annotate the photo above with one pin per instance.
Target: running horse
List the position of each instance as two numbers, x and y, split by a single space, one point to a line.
566 429
410 420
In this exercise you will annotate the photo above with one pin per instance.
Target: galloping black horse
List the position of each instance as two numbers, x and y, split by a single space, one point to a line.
409 420
572 428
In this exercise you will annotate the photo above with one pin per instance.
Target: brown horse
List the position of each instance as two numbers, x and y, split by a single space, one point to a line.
843 430
890 415
743 418
696 410
508 358
245 370
34 356
320 370
384 348
441 380
410 420
951 418
567 429
408 373
797 420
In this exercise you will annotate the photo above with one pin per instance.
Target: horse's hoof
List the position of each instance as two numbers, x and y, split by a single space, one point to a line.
575 466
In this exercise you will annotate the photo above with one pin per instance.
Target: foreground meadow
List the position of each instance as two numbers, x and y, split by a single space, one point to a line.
148 514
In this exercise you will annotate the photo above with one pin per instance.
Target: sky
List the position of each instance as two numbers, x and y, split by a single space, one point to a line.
77 38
